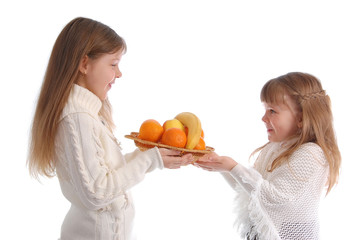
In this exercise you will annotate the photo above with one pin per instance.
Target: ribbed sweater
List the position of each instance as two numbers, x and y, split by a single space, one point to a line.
93 173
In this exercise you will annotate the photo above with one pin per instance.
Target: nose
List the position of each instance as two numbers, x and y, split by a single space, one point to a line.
265 118
118 74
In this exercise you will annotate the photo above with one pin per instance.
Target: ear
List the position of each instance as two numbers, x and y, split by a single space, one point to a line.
83 66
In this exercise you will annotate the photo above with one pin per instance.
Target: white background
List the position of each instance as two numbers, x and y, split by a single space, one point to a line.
207 57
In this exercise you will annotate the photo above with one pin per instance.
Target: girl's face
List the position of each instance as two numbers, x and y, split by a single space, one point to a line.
100 73
282 120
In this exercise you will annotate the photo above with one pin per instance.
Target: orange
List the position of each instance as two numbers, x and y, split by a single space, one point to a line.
150 130
174 137
201 145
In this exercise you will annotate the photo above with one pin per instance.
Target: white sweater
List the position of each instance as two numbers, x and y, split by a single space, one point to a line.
282 204
93 173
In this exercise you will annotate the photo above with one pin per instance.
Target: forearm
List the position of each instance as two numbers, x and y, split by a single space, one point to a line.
248 178
138 164
230 180
152 157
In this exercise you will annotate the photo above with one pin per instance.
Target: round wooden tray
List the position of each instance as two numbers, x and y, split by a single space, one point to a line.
144 145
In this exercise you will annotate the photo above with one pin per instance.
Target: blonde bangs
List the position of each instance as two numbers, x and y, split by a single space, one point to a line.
273 92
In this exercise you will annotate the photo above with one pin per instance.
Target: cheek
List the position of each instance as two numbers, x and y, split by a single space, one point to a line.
108 77
292 127
281 125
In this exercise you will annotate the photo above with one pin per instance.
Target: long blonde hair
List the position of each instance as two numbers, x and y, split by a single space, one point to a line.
317 119
80 37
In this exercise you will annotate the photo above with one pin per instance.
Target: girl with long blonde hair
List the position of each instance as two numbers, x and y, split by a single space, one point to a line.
72 135
278 198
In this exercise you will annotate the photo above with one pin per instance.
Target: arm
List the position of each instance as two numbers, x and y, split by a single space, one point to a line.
230 180
286 182
170 158
96 181
231 171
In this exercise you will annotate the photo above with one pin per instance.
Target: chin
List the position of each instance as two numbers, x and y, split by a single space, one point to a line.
270 138
103 97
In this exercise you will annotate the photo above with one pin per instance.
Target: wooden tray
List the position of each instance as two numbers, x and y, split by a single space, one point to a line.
144 145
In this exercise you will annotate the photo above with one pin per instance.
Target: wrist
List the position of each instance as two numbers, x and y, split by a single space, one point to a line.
231 164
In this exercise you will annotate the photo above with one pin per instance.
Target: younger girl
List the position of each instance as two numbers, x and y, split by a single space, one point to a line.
72 135
279 197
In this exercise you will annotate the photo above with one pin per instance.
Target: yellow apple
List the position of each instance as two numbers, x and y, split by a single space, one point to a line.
173 123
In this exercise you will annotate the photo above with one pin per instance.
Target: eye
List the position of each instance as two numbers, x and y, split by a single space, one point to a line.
115 63
272 111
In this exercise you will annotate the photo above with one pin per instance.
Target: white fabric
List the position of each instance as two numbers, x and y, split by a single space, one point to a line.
282 204
93 173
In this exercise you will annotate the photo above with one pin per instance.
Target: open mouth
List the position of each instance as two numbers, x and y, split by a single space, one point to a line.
110 84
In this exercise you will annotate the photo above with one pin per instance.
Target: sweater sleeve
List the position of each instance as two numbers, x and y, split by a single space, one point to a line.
96 182
247 178
288 193
230 180
286 182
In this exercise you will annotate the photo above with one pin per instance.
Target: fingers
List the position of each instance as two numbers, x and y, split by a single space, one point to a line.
173 162
211 162
210 157
168 152
209 168
216 163
184 160
206 165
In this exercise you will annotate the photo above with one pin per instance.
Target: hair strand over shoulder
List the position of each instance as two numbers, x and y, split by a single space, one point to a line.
80 37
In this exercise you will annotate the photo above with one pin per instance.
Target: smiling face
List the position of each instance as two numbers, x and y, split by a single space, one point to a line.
282 120
100 73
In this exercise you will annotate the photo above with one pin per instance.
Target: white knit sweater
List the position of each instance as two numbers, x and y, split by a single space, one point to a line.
282 204
93 173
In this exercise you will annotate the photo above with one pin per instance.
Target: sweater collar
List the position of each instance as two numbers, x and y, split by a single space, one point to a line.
85 99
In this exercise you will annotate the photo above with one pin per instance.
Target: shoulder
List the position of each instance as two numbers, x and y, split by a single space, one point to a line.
311 152
80 124
81 100
71 110
310 147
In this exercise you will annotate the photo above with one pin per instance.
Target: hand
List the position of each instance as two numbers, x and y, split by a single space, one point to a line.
173 160
213 162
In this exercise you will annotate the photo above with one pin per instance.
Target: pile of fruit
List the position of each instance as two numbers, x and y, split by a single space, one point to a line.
183 131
